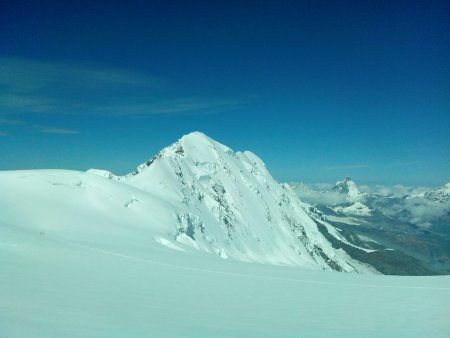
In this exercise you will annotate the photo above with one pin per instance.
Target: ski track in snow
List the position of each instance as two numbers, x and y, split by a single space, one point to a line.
187 268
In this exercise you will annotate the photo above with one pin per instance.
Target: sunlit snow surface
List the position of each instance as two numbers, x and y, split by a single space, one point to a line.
71 271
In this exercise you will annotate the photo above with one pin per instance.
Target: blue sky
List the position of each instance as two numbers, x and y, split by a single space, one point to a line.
318 89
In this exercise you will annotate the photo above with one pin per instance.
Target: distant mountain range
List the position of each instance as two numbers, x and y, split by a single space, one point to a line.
441 195
416 225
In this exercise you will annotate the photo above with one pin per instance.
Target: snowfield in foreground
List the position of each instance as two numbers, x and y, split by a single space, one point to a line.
53 287
198 242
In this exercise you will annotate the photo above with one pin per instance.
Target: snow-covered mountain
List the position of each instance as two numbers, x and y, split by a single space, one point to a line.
228 203
196 194
352 201
441 194
348 188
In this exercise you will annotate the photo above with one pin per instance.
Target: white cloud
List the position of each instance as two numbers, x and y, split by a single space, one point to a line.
318 194
415 210
397 190
324 198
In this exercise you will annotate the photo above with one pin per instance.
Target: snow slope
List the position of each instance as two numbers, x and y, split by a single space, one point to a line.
134 287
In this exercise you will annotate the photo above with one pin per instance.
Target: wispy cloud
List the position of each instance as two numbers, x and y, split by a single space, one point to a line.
348 166
61 131
26 75
45 129
30 86
11 122
185 105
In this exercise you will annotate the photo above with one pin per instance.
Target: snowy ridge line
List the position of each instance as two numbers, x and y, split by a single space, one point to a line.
187 268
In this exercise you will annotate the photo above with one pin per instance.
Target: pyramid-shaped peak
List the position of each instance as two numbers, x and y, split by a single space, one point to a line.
348 187
344 184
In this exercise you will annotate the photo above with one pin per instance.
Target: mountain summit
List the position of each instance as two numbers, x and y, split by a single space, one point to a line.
349 189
